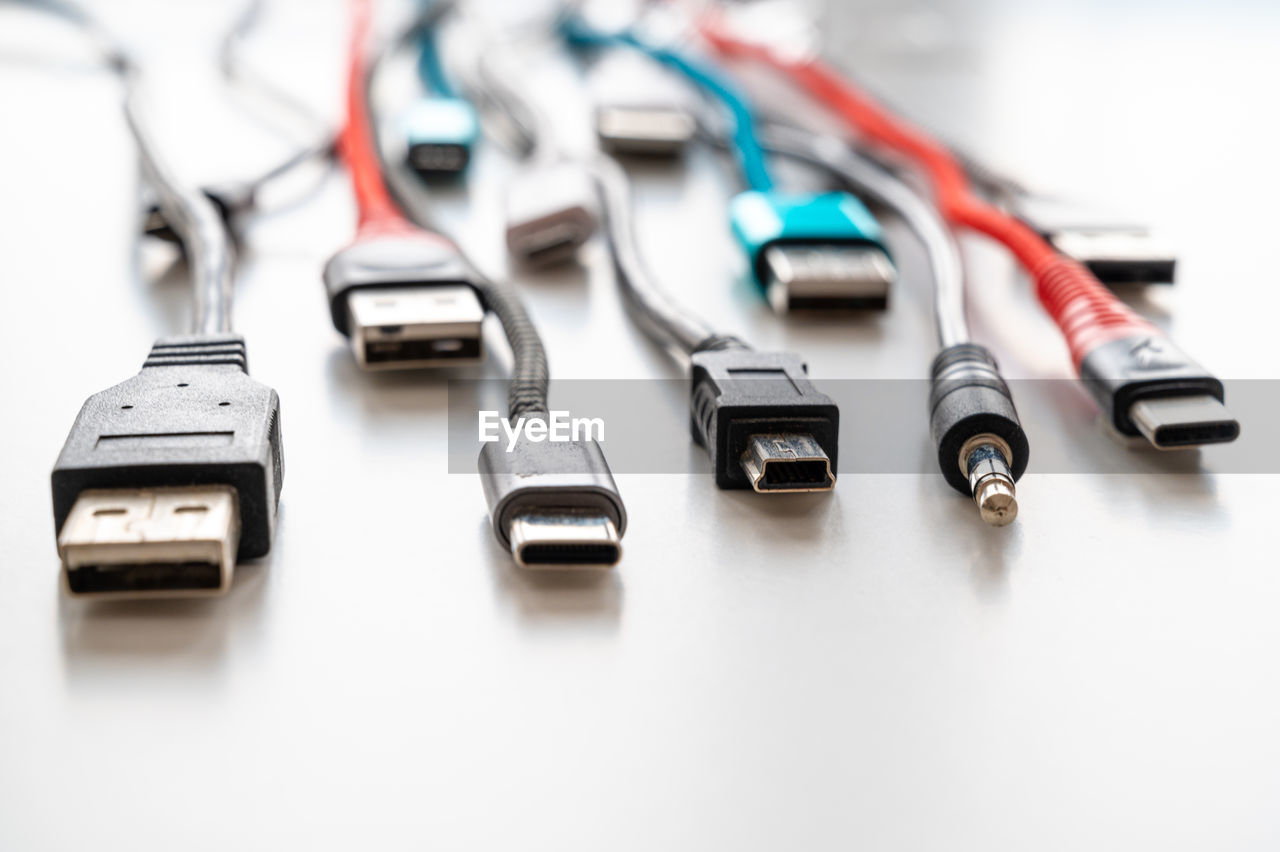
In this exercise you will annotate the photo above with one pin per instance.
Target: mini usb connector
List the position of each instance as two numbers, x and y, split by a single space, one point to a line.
782 463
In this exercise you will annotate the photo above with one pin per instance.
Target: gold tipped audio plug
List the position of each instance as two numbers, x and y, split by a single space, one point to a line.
986 460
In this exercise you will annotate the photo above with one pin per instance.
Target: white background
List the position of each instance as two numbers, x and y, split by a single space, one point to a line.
872 669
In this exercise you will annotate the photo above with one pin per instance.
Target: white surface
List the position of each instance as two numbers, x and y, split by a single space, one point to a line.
874 669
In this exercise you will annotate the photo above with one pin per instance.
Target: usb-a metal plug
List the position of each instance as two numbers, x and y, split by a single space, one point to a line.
400 327
827 277
157 542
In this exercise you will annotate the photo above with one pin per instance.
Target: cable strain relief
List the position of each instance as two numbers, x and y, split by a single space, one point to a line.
968 352
964 365
720 343
967 398
199 350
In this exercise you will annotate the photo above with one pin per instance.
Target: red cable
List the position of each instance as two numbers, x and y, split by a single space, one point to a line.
1087 312
356 143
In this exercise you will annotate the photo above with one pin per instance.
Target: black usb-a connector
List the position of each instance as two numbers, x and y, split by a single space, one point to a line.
168 479
406 300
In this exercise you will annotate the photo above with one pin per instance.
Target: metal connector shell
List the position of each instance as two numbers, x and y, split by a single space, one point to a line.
1180 422
785 463
158 542
533 490
803 277
852 267
1119 256
651 131
407 327
564 540
642 109
551 212
1115 248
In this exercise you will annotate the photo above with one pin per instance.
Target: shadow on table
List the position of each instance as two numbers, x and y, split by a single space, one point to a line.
184 638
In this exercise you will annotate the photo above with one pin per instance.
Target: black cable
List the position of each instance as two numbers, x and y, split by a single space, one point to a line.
530 374
676 330
197 221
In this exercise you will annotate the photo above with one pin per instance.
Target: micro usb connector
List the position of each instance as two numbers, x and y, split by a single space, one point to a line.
406 301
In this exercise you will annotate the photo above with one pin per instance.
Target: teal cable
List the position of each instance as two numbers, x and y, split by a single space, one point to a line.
750 153
430 68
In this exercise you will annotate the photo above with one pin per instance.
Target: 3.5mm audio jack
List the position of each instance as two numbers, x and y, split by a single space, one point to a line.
982 449
985 460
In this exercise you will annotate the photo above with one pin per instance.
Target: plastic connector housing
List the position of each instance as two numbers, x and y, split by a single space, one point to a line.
406 299
439 135
739 394
1124 372
825 222
968 398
